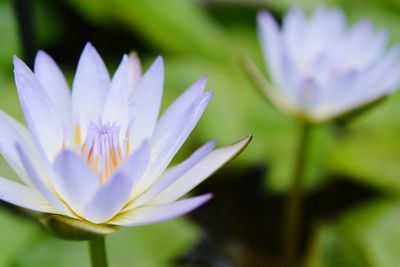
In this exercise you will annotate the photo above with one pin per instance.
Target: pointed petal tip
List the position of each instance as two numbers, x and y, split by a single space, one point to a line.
199 201
159 59
21 70
242 144
199 85
90 49
88 45
133 54
15 58
40 53
42 58
134 58
206 197
157 67
18 63
203 79
245 140
202 82
159 63
264 16
125 57
212 143
207 96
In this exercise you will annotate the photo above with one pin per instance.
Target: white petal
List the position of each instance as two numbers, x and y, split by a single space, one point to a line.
45 127
335 91
376 74
211 163
272 47
180 105
159 213
172 174
135 71
112 196
89 89
116 103
356 53
308 94
40 185
75 182
53 81
12 132
24 196
378 80
146 102
164 150
324 29
293 28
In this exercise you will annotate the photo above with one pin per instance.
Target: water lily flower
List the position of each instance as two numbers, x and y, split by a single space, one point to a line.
99 154
320 69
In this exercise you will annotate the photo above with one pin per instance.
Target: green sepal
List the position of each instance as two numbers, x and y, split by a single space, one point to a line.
73 229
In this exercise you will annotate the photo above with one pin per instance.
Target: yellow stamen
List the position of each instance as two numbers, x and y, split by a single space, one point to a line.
77 136
102 150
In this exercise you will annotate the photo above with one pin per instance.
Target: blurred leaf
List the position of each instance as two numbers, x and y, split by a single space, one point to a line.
17 235
155 245
148 246
375 228
9 37
369 151
332 249
367 236
48 28
54 252
170 25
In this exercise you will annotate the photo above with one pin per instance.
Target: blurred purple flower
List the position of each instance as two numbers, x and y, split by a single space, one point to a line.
320 69
100 154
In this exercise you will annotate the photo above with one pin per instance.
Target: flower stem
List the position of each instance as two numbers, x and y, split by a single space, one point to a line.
98 255
295 199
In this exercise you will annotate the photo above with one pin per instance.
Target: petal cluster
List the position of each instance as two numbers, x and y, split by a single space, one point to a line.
320 68
100 152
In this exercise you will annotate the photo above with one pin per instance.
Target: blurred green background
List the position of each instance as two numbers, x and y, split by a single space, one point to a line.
354 175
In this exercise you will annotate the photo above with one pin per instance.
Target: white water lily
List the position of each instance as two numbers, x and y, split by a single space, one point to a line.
320 69
100 154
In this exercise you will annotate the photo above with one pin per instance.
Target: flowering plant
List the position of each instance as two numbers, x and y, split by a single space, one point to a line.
321 70
97 157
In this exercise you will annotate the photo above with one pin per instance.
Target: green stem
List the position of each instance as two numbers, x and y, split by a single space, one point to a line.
98 254
295 199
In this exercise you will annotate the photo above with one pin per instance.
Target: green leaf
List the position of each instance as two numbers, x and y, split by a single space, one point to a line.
170 25
331 248
146 246
369 150
17 235
366 236
375 228
10 38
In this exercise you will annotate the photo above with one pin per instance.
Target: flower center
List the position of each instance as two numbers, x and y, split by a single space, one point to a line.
101 149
